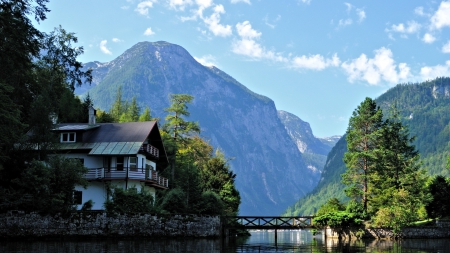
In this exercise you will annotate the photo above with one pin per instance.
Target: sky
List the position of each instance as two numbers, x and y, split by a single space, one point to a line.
316 59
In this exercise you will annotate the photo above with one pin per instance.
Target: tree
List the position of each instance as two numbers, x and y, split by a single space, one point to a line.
332 205
37 76
118 107
146 116
177 127
47 187
361 159
398 166
439 206
175 124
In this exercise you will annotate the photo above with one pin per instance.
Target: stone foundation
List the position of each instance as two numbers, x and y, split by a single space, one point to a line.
19 224
440 230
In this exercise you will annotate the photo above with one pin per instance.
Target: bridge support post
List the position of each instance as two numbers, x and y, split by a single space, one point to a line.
276 237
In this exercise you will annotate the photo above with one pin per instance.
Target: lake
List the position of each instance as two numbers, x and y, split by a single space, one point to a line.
260 241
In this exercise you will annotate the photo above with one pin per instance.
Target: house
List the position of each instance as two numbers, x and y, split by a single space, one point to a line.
117 154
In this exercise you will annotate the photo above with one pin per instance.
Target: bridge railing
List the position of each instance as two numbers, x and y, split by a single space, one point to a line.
267 222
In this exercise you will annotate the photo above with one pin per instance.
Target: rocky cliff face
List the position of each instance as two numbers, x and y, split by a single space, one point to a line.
271 172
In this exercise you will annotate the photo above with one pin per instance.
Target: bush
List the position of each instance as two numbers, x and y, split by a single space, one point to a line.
339 219
129 201
174 201
211 203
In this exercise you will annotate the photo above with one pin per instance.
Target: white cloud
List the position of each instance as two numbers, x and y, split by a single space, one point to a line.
104 48
314 62
349 7
442 16
248 46
419 11
142 7
243 1
271 23
203 4
375 70
245 30
207 60
428 38
179 4
410 28
446 47
361 15
148 32
116 40
305 1
428 73
345 22
213 23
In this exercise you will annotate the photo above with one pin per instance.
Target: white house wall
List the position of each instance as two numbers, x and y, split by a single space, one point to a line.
89 161
96 191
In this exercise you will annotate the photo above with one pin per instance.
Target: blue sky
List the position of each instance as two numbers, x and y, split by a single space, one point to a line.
315 59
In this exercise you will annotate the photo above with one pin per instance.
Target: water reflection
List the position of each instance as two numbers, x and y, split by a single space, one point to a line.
260 241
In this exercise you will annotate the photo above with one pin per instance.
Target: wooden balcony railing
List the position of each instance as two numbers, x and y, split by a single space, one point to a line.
150 149
145 174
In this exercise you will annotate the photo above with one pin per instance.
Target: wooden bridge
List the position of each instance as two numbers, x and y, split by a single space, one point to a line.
267 222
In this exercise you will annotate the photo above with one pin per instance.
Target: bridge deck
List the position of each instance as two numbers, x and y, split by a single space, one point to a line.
267 222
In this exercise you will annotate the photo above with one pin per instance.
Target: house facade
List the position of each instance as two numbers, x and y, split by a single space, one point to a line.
116 154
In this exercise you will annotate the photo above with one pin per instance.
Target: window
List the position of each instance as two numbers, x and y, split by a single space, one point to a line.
133 163
119 163
68 137
77 197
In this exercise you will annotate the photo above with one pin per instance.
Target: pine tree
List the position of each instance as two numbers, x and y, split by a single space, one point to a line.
361 159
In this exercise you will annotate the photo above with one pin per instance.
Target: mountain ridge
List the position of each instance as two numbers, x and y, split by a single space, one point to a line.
243 124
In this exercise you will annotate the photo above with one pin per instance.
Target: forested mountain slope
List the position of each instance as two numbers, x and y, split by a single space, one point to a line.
271 172
424 108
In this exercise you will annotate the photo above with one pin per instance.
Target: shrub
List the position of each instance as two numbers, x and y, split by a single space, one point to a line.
174 201
129 201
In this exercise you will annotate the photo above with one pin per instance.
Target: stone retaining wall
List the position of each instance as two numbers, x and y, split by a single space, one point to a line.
20 224
440 230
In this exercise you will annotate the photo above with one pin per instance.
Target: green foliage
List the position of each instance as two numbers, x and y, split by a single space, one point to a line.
45 187
439 206
174 201
129 201
339 220
146 116
362 143
404 212
211 203
333 205
87 206
37 76
175 124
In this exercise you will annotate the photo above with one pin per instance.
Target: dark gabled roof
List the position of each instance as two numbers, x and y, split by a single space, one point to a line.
114 138
121 132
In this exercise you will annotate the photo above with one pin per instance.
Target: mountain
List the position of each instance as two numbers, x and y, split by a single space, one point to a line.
424 109
271 172
314 149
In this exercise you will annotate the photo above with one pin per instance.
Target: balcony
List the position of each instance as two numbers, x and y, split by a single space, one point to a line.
150 149
150 177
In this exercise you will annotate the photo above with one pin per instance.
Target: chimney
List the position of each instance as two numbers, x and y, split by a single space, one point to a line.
92 112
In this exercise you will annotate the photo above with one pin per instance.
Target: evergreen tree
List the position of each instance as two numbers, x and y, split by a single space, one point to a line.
177 127
361 159
145 116
118 107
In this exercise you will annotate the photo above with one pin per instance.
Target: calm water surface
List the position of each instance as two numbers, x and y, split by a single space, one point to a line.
260 241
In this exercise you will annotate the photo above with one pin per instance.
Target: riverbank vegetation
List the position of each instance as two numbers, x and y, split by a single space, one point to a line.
385 183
